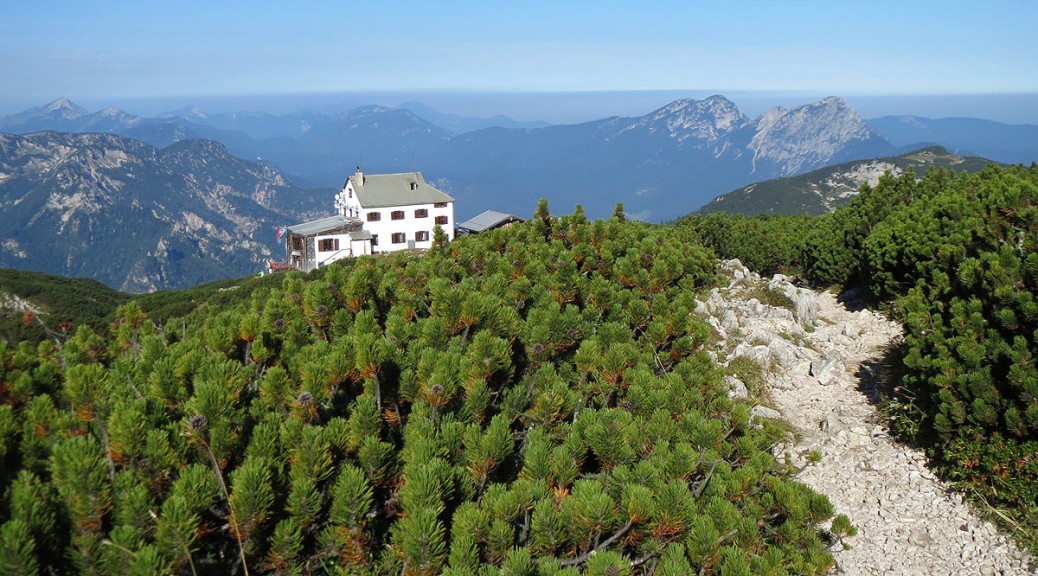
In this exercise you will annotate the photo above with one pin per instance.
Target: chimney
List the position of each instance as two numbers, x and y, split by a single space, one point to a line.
358 178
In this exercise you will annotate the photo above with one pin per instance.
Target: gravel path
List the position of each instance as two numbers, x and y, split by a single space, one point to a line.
822 379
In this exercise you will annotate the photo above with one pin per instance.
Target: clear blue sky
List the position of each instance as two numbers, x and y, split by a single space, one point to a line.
119 50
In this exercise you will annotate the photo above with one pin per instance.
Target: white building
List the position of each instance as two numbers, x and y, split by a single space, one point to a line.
399 210
319 242
376 213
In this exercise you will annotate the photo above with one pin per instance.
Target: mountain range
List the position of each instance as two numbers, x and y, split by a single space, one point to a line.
166 202
660 165
666 163
1007 143
137 217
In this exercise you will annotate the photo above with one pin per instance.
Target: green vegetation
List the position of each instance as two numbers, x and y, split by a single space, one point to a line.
63 304
955 258
766 244
535 400
166 305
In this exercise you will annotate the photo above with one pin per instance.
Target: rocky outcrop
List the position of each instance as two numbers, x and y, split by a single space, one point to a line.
821 364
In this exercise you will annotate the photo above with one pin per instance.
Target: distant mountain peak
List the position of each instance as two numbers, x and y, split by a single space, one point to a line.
372 109
833 101
459 124
61 102
687 118
66 108
189 113
808 135
112 111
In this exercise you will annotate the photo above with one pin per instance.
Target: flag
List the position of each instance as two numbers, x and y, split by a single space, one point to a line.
281 232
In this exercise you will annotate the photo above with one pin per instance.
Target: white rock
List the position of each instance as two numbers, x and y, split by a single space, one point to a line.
828 371
760 354
850 330
765 412
730 321
736 387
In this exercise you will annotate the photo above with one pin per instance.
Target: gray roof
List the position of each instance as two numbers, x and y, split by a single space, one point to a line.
488 220
328 224
383 190
360 235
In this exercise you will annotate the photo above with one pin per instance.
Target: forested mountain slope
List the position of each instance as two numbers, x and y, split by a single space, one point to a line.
35 306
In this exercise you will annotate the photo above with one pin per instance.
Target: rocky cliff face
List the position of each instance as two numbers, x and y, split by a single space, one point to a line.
792 141
780 142
136 217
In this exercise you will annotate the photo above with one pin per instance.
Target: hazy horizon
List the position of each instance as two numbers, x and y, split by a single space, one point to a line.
558 62
562 107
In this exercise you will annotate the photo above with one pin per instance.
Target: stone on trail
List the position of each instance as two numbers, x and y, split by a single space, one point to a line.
828 370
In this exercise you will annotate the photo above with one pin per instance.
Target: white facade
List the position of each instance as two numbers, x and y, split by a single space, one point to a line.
399 210
320 242
332 247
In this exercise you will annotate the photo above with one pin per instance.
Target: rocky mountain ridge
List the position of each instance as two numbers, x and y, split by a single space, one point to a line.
137 217
673 158
660 165
824 190
706 120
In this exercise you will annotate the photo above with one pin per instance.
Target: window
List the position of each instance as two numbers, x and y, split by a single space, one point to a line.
440 205
421 213
374 216
441 220
374 239
397 215
399 238
328 245
421 236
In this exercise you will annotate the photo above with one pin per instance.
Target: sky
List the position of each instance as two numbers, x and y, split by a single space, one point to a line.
108 52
